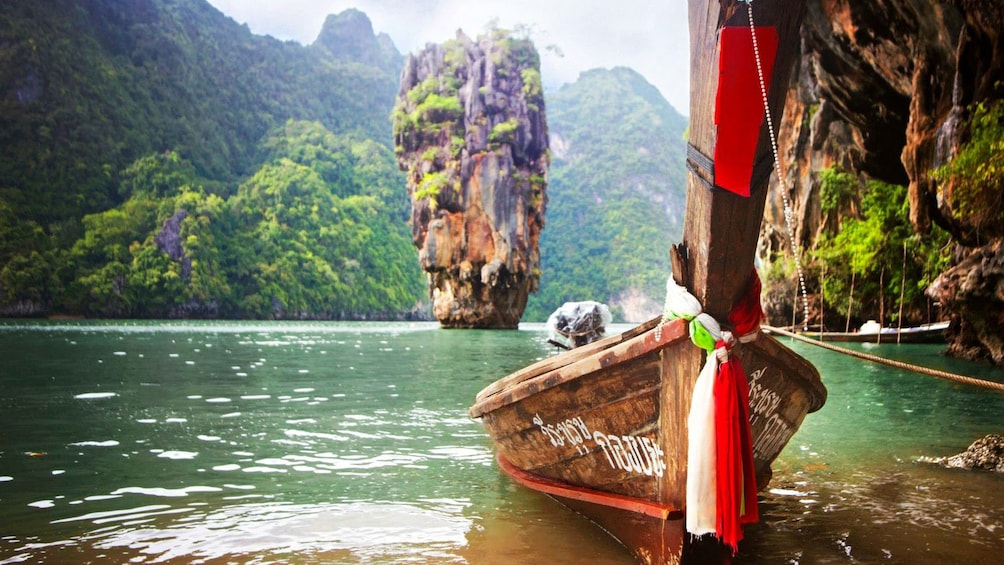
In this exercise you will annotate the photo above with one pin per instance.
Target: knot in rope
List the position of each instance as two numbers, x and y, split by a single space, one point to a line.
724 346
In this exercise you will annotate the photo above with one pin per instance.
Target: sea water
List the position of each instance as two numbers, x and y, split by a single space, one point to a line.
151 442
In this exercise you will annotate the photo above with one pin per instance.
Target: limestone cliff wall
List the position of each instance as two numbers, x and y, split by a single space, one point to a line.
883 90
470 130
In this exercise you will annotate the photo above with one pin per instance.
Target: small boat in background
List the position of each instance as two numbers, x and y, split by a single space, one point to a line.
872 332
578 323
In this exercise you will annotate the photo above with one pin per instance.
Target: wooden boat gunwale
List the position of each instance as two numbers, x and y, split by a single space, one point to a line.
522 384
561 360
629 345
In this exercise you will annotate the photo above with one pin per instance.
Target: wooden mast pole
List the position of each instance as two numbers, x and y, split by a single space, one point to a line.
721 229
850 301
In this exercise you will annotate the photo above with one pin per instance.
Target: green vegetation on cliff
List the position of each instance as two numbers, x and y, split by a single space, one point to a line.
160 160
976 177
868 261
308 235
862 265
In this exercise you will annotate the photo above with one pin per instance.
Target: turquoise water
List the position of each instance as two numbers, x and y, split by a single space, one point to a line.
350 443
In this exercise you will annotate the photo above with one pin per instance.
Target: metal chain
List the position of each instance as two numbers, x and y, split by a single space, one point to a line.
788 214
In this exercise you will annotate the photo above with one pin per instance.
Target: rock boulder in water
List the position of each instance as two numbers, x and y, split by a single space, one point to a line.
986 453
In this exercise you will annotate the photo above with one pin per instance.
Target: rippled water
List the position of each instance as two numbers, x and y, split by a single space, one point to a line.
350 443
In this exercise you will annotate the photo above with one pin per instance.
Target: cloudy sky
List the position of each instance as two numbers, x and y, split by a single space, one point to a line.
649 36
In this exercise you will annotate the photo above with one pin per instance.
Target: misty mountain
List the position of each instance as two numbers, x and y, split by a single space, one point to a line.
617 191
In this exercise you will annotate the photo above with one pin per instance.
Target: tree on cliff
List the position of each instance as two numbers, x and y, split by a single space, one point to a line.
861 264
307 236
973 181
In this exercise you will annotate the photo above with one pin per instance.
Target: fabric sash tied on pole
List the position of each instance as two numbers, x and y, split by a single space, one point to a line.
736 477
721 481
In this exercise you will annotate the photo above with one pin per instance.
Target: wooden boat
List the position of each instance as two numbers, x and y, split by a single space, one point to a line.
926 333
603 428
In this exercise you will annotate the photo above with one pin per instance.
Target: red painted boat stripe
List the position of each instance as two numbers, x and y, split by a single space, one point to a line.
565 490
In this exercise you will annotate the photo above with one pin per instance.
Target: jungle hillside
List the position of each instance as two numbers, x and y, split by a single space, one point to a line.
159 160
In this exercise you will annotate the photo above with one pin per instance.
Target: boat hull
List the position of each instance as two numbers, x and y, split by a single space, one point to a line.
606 419
654 532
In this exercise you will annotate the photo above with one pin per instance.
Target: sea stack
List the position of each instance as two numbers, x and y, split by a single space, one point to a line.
470 130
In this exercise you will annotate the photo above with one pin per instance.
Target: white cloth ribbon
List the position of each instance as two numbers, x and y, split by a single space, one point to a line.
701 458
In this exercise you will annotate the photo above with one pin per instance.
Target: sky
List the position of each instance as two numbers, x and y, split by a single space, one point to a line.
650 36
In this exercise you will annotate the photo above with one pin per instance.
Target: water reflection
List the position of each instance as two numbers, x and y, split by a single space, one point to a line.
351 443
347 533
228 443
852 486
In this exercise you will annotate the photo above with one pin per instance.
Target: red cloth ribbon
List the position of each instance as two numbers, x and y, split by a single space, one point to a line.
736 488
736 477
746 315
739 110
724 405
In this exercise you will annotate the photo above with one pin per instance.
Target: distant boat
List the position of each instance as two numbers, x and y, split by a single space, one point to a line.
871 332
575 324
604 428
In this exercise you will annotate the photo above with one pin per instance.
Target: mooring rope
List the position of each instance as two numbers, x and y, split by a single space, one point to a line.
892 363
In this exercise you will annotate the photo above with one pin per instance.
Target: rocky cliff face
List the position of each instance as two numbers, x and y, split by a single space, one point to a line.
471 132
884 89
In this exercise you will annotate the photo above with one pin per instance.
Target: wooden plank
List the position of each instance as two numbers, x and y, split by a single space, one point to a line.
589 420
679 371
558 361
621 352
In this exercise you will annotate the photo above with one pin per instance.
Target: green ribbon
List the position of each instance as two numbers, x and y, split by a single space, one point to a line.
705 332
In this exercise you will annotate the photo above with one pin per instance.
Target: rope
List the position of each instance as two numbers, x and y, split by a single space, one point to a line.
897 364
788 214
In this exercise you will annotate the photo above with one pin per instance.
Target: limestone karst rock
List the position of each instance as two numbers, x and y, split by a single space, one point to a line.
348 36
471 132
